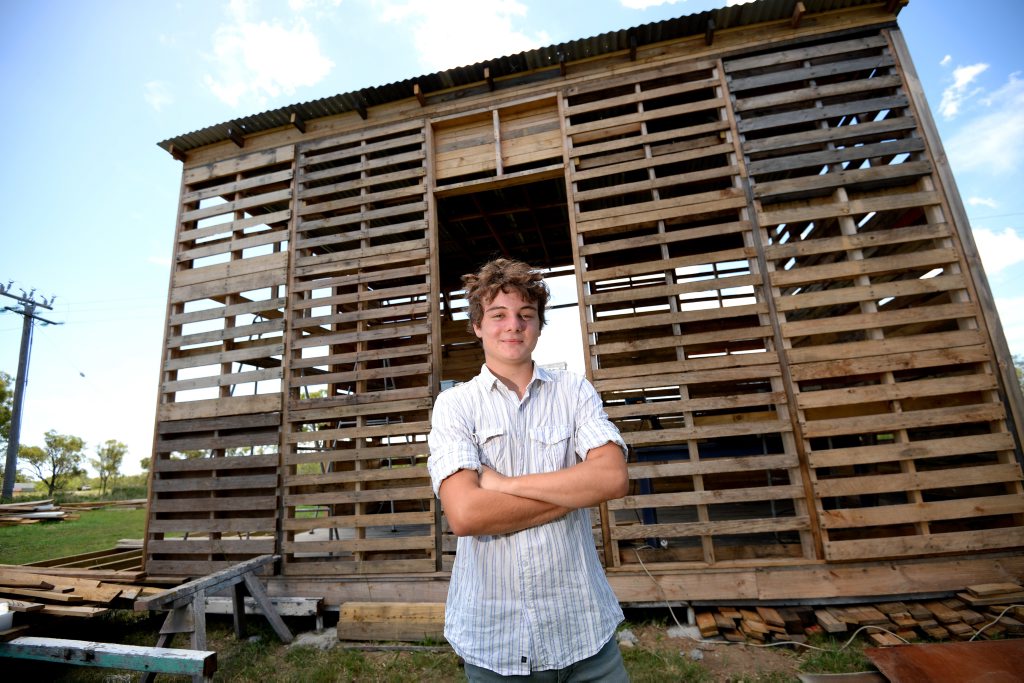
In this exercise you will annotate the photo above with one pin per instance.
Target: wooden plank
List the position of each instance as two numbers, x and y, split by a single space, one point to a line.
391 621
877 62
211 583
800 53
878 356
918 481
370 496
112 655
723 528
763 493
911 546
879 423
812 211
874 176
22 605
988 590
912 513
713 466
203 505
836 157
879 319
217 407
238 164
946 386
229 546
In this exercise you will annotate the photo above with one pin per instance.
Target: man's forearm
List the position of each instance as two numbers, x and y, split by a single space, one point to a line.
473 511
602 476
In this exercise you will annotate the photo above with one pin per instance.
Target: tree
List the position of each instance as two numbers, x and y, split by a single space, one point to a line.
1018 365
144 463
58 463
6 407
108 462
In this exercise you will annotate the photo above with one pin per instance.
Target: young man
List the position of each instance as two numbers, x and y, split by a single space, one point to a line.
517 456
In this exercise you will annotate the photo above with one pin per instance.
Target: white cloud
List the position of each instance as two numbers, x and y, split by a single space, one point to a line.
982 201
644 4
304 5
999 250
157 94
262 60
946 60
956 94
992 142
461 32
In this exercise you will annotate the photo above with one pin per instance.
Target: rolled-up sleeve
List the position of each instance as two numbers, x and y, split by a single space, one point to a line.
451 440
593 428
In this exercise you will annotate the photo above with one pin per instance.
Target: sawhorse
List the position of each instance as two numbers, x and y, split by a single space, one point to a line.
186 604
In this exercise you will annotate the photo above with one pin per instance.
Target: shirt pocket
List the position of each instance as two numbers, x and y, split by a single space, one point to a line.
493 445
550 444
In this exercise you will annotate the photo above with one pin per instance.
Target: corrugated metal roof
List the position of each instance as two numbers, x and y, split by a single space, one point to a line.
521 63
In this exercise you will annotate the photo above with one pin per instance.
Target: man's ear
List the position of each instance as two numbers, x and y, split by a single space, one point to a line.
478 332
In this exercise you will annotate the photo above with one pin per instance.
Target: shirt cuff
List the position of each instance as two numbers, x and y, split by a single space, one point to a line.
594 434
443 465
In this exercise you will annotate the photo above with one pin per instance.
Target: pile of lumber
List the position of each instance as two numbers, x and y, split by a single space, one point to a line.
59 594
33 512
981 612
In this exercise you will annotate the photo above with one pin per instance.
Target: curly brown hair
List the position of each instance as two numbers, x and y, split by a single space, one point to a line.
504 275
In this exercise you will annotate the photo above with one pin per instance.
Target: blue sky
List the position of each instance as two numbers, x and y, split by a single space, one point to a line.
92 85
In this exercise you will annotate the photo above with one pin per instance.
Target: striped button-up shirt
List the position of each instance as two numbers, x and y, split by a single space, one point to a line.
536 599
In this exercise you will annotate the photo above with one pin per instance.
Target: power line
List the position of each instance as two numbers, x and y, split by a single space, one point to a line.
28 304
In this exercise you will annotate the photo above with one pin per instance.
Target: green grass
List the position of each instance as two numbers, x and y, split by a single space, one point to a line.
835 657
93 530
645 665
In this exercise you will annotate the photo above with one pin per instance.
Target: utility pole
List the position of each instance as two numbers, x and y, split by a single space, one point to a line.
28 312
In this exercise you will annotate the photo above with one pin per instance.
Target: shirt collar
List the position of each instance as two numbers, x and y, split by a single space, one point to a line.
539 375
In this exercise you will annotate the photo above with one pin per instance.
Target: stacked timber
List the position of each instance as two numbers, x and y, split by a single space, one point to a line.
33 512
984 611
56 593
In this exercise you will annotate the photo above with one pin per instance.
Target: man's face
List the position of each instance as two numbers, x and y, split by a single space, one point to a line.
509 330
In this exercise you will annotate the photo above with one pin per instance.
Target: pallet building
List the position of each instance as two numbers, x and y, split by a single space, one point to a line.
779 298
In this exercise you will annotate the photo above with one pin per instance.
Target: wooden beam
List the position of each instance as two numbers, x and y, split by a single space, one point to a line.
562 63
361 108
418 94
489 77
297 121
235 134
709 32
632 47
211 583
177 153
798 14
112 656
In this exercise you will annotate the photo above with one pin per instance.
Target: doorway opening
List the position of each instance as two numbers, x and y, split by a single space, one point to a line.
525 221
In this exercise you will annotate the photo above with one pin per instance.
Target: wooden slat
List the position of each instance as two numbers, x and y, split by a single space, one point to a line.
913 513
935 448
911 546
918 481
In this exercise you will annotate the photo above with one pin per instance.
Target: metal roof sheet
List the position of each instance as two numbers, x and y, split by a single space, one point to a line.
524 62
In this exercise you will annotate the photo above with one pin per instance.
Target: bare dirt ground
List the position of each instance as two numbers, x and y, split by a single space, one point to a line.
723 661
